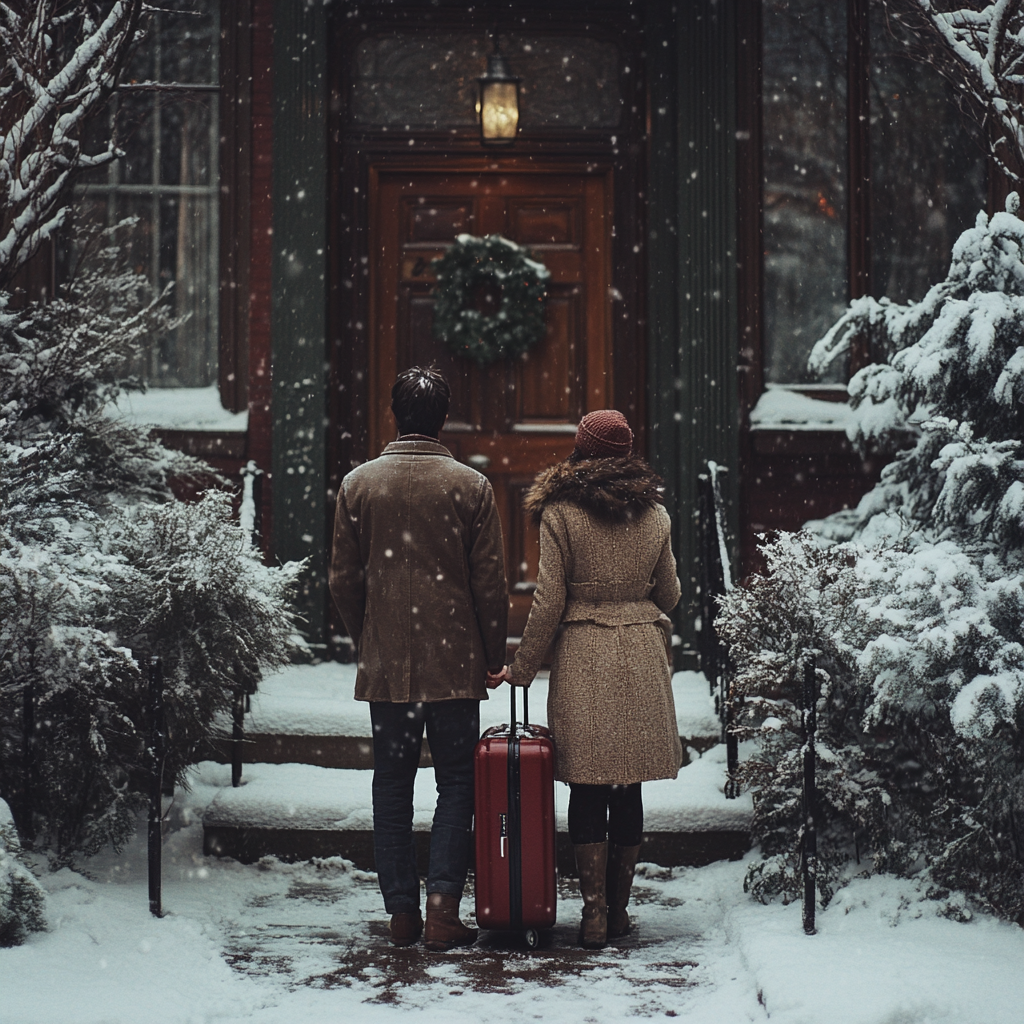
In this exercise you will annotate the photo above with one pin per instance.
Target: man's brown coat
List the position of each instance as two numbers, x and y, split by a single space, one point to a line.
418 575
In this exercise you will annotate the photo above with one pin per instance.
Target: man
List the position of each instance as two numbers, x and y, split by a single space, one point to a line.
418 575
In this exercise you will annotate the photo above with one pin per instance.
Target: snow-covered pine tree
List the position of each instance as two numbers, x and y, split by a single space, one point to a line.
929 686
21 897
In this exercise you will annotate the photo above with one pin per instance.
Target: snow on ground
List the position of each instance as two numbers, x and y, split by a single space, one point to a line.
276 944
317 700
179 409
305 796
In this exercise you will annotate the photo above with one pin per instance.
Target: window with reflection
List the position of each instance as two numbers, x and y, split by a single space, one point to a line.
805 179
166 112
927 169
926 184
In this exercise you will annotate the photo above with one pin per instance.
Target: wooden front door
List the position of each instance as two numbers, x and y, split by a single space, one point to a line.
511 419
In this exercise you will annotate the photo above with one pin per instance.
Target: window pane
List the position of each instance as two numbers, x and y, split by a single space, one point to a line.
168 180
181 44
805 180
928 172
173 241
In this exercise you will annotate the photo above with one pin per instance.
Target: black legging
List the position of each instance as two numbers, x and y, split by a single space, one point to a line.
597 813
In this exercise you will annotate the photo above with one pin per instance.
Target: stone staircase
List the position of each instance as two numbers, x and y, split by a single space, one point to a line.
306 782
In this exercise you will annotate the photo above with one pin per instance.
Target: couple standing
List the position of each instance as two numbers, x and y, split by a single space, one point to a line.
418 576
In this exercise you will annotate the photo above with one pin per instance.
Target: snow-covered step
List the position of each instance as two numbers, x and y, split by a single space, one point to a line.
308 714
297 811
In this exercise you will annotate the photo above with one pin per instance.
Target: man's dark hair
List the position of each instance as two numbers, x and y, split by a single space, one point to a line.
419 400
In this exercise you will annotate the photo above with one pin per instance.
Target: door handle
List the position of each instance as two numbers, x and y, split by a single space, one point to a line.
479 461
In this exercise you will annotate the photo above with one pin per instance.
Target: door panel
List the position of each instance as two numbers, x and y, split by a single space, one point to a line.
510 419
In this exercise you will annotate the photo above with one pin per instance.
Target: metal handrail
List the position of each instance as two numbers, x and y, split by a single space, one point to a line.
715 579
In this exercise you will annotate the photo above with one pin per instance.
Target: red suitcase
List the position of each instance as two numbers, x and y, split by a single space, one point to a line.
515 827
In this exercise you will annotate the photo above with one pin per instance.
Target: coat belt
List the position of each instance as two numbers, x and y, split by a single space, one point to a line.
612 613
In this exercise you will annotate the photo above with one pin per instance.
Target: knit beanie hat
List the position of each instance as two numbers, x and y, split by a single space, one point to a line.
604 434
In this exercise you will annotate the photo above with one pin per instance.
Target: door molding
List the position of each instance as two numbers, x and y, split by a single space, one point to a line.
353 151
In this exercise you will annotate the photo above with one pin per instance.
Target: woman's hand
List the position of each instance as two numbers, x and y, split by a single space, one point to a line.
495 679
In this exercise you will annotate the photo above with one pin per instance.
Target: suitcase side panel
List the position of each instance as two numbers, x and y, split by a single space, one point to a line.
492 848
537 785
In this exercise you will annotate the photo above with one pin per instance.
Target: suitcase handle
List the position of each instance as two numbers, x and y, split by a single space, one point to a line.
526 710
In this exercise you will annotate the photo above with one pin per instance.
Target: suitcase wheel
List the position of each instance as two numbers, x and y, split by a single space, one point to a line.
532 937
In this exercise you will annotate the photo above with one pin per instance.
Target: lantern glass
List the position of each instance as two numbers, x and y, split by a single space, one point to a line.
499 110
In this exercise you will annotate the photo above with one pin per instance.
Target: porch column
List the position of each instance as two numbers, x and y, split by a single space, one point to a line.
298 299
694 405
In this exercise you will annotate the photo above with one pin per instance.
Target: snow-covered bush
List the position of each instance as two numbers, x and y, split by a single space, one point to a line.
807 601
922 673
21 896
100 568
198 595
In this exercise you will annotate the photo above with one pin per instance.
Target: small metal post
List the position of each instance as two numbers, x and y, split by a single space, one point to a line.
237 737
810 837
28 738
156 755
252 489
732 751
257 510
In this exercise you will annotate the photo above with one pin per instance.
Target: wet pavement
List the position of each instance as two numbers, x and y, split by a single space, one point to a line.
327 935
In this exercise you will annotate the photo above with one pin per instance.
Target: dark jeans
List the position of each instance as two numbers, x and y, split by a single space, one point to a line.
453 727
615 813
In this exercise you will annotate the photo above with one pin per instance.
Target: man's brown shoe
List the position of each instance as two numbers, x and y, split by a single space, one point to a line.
444 930
406 928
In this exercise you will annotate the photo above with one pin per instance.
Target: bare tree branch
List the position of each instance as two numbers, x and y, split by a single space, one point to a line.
59 61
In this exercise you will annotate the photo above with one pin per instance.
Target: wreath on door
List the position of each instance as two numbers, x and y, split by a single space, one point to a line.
475 269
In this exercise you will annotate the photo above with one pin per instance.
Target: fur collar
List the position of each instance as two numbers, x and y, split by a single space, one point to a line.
612 489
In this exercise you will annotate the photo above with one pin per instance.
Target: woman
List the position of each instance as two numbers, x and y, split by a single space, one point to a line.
606 577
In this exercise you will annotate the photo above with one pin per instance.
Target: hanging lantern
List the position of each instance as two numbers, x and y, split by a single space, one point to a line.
499 101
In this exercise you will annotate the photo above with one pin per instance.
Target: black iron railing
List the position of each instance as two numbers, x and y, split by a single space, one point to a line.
157 742
809 839
715 580
251 516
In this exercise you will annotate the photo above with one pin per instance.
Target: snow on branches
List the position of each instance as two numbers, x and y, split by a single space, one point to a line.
979 47
59 61
949 382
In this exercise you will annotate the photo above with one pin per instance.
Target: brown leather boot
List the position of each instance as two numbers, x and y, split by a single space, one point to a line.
621 866
444 930
406 928
592 862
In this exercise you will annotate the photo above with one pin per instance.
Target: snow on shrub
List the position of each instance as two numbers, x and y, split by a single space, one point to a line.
21 896
100 567
913 604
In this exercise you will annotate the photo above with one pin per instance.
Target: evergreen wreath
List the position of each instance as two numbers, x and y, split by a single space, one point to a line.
518 323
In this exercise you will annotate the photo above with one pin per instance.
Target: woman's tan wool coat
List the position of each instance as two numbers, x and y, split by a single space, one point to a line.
607 577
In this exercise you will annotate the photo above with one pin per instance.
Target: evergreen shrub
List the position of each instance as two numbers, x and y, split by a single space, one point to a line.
101 567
